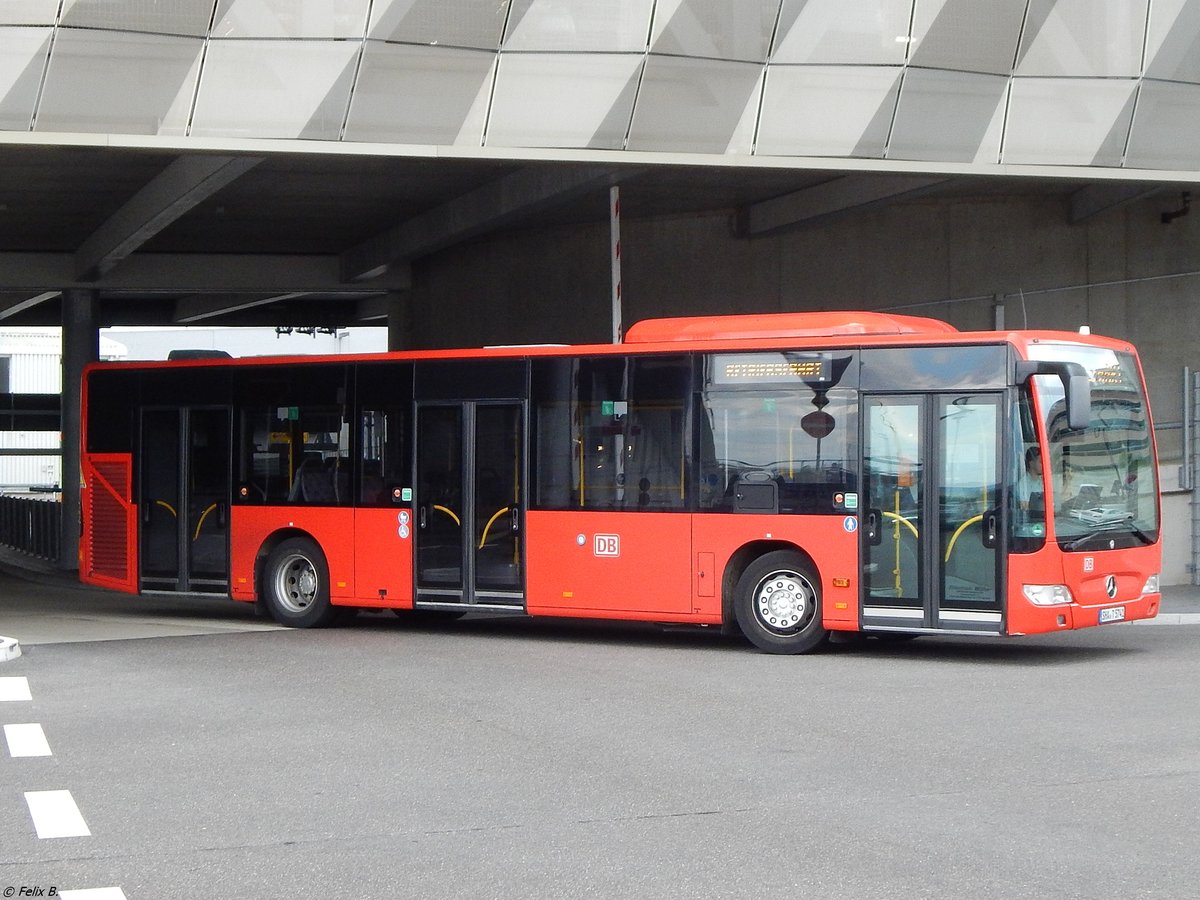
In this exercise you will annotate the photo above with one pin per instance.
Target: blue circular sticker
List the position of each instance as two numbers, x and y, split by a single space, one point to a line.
850 523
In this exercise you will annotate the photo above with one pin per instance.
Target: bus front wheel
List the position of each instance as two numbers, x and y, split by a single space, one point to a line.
778 604
296 585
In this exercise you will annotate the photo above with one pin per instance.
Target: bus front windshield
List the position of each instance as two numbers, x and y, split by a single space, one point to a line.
1103 480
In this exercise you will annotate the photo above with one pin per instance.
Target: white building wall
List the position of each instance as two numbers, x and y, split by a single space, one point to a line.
21 472
36 373
35 367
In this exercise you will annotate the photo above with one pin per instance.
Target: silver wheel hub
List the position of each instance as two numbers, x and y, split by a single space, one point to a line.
296 586
783 601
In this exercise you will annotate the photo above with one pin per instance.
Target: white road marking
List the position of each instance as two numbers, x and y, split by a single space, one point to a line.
10 648
15 687
112 893
55 814
26 740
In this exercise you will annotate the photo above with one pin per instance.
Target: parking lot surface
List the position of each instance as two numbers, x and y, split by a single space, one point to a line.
518 758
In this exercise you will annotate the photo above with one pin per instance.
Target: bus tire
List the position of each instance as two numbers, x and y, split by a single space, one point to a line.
296 585
777 603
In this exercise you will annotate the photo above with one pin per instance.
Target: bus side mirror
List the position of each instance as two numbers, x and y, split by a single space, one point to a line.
1076 387
1079 398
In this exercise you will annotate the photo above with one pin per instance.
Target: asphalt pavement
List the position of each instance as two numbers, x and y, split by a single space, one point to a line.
532 759
185 748
43 605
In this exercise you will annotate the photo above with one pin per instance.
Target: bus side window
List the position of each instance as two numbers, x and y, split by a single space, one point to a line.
1027 497
290 415
747 435
611 433
313 482
384 439
373 432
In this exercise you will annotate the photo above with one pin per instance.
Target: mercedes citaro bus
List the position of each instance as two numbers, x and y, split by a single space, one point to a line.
789 475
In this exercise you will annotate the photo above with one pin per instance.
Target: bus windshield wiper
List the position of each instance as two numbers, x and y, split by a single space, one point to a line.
1078 542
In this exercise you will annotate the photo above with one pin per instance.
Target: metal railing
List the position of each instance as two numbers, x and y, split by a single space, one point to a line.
31 525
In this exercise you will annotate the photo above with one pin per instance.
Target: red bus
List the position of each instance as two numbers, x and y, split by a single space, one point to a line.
790 475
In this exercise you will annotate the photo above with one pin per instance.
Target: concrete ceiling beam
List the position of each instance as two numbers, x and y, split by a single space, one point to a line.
179 188
495 205
13 306
370 309
829 198
1095 199
196 309
197 273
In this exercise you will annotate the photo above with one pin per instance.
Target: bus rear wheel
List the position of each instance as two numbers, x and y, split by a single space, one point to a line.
296 585
777 603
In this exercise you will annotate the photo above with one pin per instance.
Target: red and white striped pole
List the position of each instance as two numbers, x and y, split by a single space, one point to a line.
614 227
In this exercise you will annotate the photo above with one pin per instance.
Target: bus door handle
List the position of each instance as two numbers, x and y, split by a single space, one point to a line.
423 516
871 529
222 514
515 519
991 529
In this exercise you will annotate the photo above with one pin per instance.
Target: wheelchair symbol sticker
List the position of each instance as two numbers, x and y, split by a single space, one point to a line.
850 523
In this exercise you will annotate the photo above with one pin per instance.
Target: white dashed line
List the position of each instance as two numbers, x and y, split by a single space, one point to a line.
14 687
26 740
55 814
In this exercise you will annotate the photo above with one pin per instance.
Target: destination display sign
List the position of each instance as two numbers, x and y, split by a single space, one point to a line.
1109 375
771 368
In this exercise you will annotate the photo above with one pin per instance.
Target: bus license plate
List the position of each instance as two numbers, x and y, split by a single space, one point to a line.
1112 614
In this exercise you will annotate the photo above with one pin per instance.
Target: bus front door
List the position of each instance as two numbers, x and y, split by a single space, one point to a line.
469 512
184 500
932 520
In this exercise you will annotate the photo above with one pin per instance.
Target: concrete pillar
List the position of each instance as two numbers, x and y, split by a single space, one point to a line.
80 346
400 321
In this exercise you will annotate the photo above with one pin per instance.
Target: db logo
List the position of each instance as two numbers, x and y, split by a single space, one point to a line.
607 545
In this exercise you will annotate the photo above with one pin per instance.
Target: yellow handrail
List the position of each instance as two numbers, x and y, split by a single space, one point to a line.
899 518
167 506
449 512
203 516
488 526
961 528
582 473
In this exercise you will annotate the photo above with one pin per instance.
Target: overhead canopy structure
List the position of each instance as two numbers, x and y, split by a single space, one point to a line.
288 163
297 162
181 237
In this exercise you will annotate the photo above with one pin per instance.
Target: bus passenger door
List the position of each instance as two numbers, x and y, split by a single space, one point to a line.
184 500
496 510
468 503
932 512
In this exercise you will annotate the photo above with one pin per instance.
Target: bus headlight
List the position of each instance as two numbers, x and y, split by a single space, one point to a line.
1047 594
1151 586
